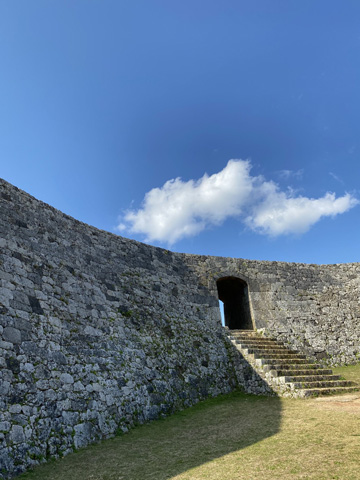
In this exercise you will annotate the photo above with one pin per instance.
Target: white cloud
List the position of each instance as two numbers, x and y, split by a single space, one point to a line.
286 174
121 227
182 209
278 214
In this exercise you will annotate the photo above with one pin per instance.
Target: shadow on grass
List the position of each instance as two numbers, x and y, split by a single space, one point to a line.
168 447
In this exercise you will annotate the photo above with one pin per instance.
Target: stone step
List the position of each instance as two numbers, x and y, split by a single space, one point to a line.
269 356
267 346
262 347
252 332
283 372
279 362
309 378
270 351
262 341
255 339
292 373
315 392
236 333
323 384
259 345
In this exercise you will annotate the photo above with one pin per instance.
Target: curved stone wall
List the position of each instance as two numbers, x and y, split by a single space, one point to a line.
98 332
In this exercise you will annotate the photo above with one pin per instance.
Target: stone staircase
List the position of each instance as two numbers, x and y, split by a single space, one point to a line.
289 373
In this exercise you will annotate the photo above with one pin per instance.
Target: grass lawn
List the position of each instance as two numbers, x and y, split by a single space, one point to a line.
231 437
350 372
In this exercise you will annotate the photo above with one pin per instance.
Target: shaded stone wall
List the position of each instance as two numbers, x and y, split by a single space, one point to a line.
97 332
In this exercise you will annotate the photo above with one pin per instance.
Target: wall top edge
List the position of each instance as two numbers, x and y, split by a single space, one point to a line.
199 258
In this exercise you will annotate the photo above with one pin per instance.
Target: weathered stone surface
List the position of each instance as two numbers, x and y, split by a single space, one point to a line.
66 378
5 426
17 434
98 332
82 434
12 335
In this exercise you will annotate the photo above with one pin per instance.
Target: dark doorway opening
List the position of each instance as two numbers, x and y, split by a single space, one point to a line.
233 292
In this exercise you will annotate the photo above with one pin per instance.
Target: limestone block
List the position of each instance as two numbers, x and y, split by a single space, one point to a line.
17 434
66 378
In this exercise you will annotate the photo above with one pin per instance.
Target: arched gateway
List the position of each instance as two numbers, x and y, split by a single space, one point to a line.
233 292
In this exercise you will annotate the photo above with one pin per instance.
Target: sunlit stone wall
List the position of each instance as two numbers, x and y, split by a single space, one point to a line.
312 308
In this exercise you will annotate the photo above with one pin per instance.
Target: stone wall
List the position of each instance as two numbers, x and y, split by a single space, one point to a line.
97 333
312 308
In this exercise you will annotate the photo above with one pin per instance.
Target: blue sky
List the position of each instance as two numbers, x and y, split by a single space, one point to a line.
113 112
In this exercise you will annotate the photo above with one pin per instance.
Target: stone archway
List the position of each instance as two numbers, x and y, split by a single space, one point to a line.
233 292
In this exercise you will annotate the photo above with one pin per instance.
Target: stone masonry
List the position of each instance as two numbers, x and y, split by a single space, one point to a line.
99 332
